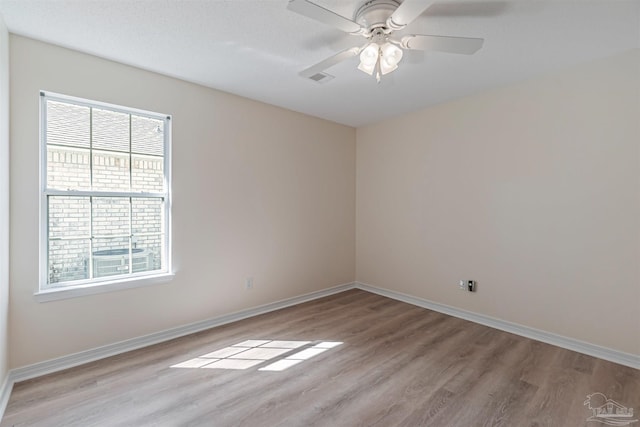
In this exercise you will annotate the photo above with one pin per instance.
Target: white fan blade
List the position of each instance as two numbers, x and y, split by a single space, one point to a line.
464 45
319 13
407 12
330 62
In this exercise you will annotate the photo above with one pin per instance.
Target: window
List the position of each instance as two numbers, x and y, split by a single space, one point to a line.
105 193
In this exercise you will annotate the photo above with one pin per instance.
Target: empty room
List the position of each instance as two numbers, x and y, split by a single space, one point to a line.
319 213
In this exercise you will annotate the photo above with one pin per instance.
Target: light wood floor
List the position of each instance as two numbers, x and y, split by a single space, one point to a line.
398 365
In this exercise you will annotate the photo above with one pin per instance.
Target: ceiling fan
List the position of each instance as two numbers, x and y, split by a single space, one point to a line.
376 21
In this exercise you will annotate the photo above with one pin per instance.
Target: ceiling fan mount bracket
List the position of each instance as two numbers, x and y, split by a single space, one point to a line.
374 14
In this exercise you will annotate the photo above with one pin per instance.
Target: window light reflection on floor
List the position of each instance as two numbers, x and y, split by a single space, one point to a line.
250 353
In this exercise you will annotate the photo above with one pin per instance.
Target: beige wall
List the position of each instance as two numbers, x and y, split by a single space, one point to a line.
4 197
532 190
257 191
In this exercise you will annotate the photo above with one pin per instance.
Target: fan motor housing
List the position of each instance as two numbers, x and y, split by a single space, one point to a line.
373 14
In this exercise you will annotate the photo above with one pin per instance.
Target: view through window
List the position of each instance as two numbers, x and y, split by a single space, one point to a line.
105 192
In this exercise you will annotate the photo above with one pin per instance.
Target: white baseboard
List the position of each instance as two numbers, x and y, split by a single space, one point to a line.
5 393
76 359
611 355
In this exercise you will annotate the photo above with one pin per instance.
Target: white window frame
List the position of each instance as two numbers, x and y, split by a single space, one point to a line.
48 292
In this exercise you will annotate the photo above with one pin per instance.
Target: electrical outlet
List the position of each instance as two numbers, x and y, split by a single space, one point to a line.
467 285
248 284
471 285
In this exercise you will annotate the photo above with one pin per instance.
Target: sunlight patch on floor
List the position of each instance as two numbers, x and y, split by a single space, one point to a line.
250 353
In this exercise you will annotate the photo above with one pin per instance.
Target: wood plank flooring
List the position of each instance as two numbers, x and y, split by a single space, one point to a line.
398 365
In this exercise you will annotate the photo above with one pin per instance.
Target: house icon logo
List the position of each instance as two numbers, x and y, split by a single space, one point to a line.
608 411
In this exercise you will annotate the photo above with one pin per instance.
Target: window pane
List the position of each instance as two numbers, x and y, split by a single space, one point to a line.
147 136
111 216
68 168
110 130
146 216
68 260
147 173
147 253
110 256
67 124
69 217
110 171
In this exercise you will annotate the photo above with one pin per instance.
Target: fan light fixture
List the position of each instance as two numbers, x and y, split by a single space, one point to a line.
382 59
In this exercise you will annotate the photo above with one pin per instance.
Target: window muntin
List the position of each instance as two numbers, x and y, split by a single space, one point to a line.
105 193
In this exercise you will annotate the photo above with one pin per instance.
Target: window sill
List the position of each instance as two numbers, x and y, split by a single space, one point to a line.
100 288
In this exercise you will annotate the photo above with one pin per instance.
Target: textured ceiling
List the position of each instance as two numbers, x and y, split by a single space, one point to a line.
255 48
